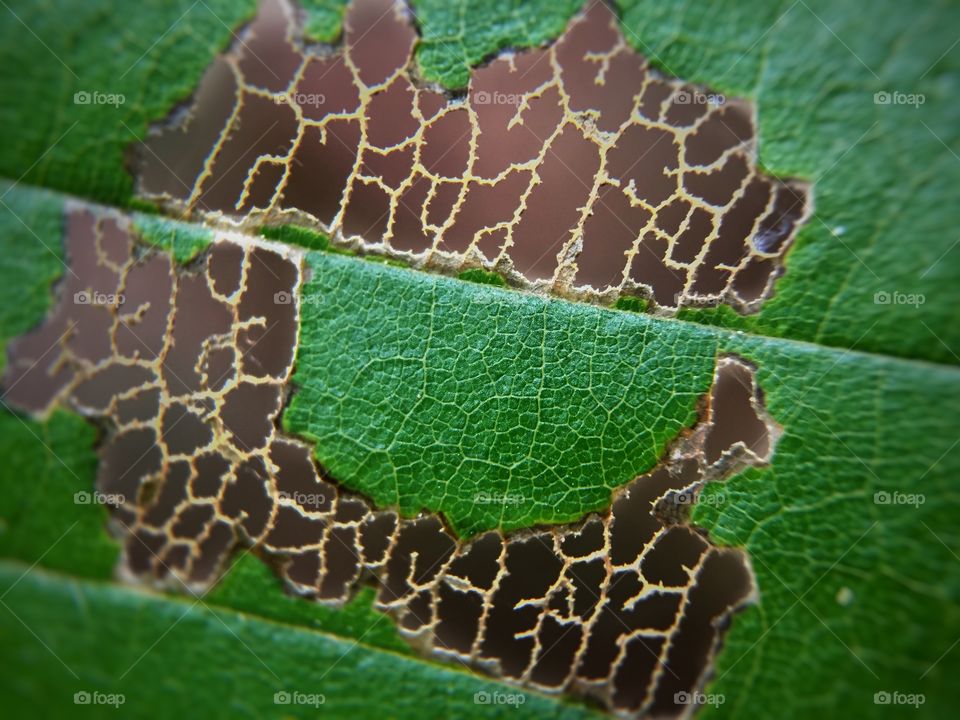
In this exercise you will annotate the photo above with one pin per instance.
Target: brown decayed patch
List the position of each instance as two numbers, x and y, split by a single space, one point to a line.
626 606
574 169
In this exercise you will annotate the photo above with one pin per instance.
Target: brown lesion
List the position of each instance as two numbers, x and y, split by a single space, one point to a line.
186 373
575 169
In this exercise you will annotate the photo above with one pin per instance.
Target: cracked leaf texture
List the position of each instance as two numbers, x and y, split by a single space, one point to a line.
855 597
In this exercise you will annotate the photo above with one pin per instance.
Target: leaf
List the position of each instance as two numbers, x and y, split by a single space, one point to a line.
811 68
100 631
856 596
420 392
459 36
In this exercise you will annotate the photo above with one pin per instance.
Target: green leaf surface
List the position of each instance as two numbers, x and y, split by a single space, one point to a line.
857 595
460 35
884 175
184 241
426 392
32 258
52 52
324 19
176 657
294 235
45 512
400 371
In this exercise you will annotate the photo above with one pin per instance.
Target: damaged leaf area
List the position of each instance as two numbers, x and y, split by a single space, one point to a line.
574 169
185 369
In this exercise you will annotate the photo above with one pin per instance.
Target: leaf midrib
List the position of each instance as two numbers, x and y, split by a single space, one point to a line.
802 345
